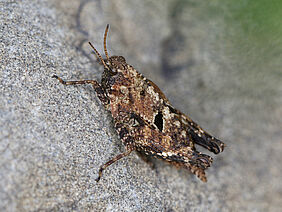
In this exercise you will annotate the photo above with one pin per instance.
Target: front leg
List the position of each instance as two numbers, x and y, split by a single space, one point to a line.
96 85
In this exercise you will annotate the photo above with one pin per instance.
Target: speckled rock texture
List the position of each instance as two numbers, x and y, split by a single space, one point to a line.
53 138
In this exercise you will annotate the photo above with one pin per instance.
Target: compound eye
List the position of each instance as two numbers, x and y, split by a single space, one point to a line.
112 71
121 59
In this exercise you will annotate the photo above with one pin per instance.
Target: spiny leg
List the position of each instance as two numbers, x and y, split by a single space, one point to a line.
200 173
96 85
198 163
116 158
76 82
200 160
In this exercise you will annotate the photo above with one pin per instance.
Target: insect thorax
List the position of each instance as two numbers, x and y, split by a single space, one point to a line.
114 63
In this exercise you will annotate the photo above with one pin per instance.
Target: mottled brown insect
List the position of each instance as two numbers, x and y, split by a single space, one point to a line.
146 121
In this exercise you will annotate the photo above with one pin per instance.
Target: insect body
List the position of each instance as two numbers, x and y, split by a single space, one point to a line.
146 121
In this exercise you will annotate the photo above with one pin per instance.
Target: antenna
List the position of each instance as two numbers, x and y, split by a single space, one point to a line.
105 39
99 56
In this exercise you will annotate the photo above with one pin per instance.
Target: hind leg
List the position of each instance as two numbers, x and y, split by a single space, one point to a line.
116 158
198 163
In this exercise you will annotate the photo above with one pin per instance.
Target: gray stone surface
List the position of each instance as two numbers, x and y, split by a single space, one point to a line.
54 138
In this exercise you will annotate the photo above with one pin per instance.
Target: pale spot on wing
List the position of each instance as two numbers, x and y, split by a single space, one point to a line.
166 113
152 92
177 123
169 153
123 89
